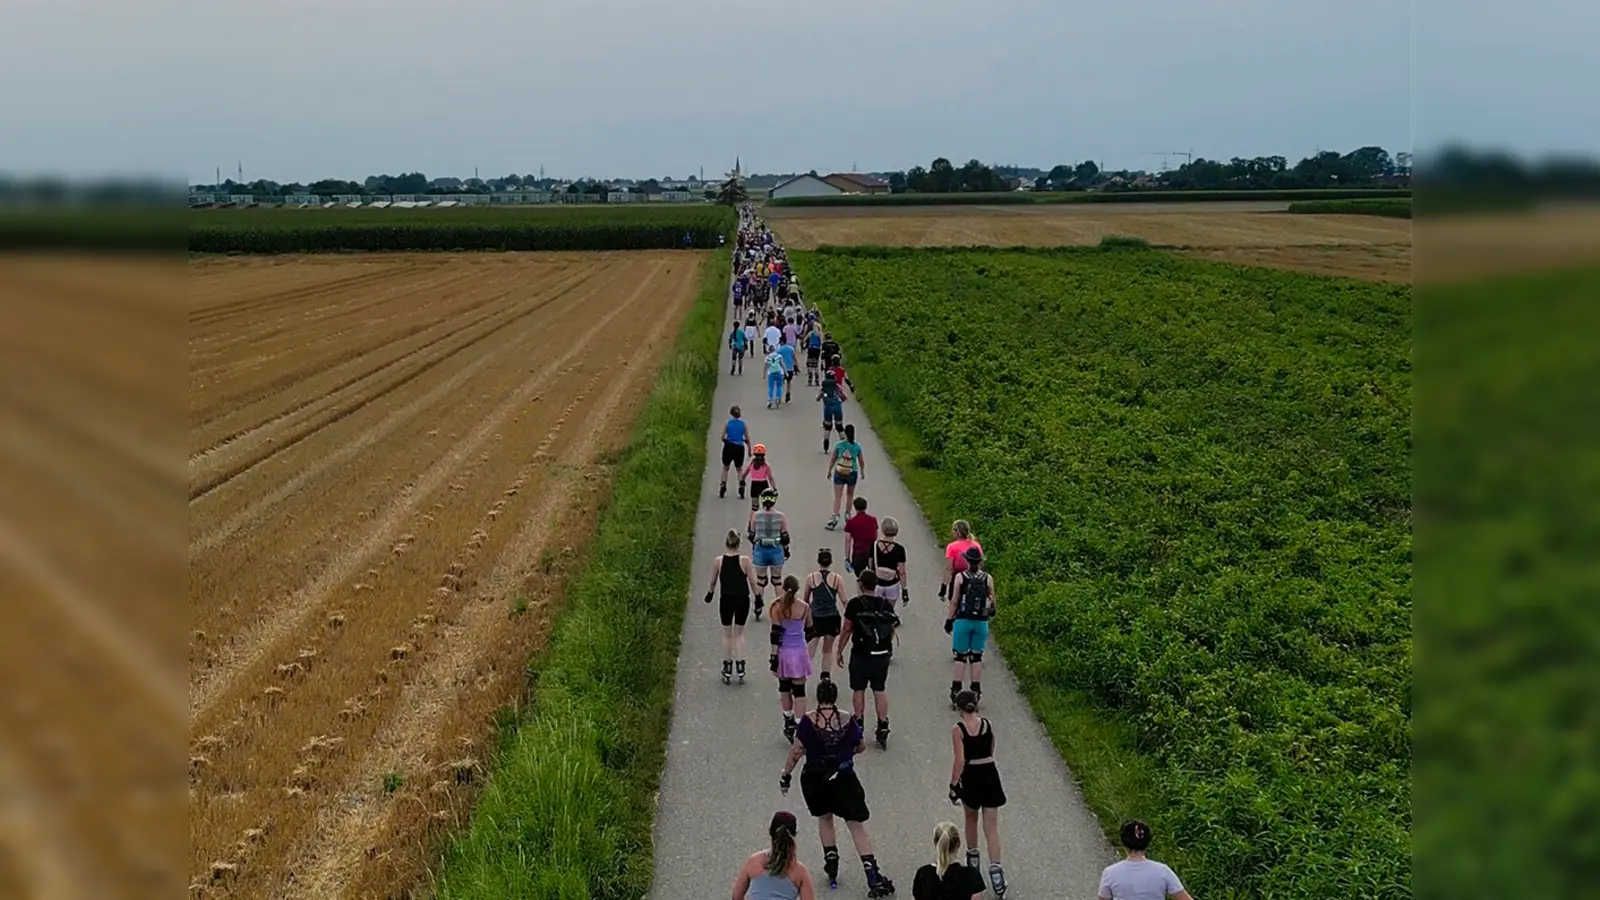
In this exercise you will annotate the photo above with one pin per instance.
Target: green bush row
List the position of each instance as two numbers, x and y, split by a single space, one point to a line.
568 810
1023 197
1392 207
1194 484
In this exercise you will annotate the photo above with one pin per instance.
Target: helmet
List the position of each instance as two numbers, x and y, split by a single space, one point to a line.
759 449
769 496
974 555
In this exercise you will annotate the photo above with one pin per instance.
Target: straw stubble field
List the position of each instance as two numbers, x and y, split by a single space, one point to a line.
394 462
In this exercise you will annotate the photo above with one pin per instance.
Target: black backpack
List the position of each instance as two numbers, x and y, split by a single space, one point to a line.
974 600
877 623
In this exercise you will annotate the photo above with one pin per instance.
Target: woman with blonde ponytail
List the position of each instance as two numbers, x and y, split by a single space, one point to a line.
945 878
775 873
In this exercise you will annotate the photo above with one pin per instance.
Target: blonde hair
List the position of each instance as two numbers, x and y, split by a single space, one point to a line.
946 845
962 529
732 541
890 526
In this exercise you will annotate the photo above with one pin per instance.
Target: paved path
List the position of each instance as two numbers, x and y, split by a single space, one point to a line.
726 750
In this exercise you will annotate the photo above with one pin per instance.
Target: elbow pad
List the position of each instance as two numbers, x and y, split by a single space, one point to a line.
784 539
777 634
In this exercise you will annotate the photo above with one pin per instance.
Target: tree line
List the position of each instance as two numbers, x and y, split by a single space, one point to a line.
1363 167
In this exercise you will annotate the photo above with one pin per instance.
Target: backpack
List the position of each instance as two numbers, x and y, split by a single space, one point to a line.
775 364
974 600
845 465
876 625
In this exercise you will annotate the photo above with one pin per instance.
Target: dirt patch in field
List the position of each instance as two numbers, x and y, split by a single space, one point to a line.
1256 234
393 462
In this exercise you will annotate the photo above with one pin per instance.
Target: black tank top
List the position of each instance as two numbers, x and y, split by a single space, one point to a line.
977 746
734 582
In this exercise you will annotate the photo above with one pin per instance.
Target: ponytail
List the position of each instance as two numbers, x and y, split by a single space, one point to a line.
791 587
946 846
732 540
850 432
782 852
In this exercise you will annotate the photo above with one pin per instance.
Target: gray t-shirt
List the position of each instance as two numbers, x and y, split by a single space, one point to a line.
1138 879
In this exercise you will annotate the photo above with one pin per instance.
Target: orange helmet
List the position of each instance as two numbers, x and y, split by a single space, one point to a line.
759 450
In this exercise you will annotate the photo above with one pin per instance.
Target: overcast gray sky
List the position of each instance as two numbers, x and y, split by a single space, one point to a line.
302 89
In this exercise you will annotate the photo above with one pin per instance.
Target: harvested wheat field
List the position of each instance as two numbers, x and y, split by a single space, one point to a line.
1358 246
393 462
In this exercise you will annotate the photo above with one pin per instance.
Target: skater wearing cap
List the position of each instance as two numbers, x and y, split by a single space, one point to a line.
824 588
791 661
776 873
829 740
869 626
967 615
759 474
975 784
735 438
777 372
768 532
1138 877
833 397
734 574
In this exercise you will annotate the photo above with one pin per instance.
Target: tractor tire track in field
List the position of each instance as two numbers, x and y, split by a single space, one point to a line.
321 681
290 616
282 433
339 843
238 308
212 537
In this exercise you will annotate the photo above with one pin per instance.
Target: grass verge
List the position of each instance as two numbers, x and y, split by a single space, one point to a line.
569 807
1391 207
1194 482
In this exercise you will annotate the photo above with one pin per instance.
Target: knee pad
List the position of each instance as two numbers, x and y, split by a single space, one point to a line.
797 689
761 581
783 686
961 656
975 656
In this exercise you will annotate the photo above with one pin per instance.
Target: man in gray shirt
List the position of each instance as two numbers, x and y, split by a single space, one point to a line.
1139 878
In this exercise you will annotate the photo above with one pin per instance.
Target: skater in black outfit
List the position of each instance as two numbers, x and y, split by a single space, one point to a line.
829 740
975 784
946 878
736 577
869 627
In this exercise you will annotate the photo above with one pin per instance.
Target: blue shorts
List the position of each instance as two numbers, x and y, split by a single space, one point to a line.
832 412
766 557
847 480
969 635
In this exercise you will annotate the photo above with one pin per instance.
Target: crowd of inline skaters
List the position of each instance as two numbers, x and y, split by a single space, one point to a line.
815 619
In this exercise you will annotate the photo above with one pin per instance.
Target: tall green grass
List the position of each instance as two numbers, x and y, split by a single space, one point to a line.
1194 483
568 809
1392 207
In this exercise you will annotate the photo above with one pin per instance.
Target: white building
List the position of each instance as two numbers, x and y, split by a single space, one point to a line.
677 196
804 186
622 197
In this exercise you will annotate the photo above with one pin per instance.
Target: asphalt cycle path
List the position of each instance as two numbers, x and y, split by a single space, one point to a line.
726 746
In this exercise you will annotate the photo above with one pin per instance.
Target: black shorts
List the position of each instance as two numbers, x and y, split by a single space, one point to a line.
980 787
869 670
826 626
813 356
735 609
834 793
733 454
859 564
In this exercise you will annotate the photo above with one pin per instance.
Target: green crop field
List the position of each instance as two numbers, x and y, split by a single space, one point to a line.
1194 482
1393 207
1024 197
270 230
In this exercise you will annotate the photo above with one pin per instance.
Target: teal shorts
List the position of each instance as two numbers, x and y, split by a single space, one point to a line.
969 635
